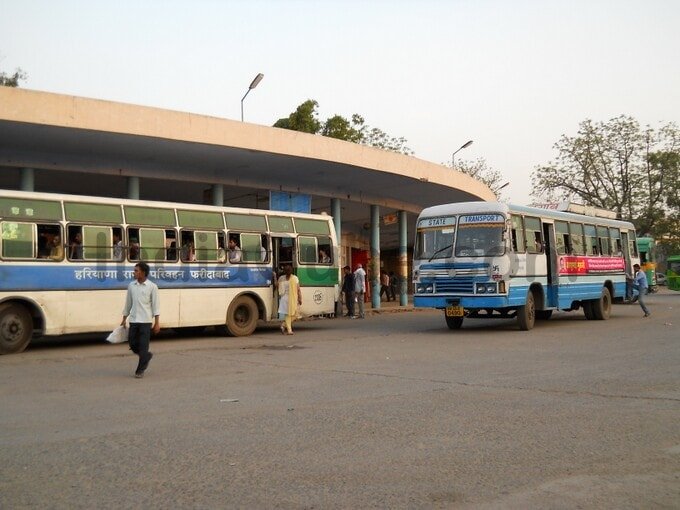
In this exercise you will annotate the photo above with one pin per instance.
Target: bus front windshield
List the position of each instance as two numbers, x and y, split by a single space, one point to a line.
434 238
480 235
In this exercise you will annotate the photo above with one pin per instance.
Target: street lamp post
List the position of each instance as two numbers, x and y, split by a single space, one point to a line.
253 84
453 156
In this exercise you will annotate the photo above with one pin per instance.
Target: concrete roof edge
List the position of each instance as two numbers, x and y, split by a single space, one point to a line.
38 107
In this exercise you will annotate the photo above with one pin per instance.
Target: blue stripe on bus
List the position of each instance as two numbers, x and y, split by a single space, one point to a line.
517 297
93 277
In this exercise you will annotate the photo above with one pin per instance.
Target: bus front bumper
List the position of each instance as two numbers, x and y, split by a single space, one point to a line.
467 302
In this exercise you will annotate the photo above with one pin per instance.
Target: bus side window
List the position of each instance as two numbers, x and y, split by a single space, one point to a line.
517 234
591 240
603 240
75 242
264 251
133 243
533 232
325 251
205 243
187 251
562 240
615 240
50 244
18 240
171 245
576 237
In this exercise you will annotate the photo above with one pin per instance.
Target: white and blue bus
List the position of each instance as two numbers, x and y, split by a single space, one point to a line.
493 260
66 261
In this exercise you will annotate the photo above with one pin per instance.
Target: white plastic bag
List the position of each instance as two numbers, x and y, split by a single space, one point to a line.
118 335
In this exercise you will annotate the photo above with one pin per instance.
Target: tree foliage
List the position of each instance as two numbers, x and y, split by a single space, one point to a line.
305 118
481 171
618 166
12 80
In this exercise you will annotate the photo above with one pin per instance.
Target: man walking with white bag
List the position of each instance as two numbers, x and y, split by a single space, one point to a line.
142 306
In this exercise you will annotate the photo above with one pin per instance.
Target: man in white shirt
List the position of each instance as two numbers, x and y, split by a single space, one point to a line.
142 306
234 251
360 288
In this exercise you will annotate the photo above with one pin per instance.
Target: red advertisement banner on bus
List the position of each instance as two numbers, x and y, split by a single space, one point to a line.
585 265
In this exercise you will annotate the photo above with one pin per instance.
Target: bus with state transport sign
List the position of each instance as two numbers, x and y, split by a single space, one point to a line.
66 262
494 260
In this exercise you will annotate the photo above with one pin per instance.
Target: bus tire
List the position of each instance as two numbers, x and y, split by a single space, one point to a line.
453 322
602 307
543 315
242 317
16 328
526 314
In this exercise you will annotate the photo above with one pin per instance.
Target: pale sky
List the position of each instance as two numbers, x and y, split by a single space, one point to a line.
512 76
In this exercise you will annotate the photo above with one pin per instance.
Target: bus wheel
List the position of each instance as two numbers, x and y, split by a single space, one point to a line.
526 315
16 328
602 307
543 315
453 322
242 317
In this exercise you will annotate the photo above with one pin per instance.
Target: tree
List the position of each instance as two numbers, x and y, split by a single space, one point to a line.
482 172
305 118
611 165
7 80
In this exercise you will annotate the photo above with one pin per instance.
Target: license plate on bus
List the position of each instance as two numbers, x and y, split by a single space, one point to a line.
454 311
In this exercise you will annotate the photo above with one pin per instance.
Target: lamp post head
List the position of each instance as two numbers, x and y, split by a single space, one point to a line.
466 144
258 79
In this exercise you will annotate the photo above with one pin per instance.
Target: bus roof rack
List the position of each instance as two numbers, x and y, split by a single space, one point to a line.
572 207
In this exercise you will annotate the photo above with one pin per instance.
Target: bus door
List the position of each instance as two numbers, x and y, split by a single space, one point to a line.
283 252
552 267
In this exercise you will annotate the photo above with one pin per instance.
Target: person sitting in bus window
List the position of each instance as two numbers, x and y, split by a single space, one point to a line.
234 250
221 254
76 246
134 248
57 249
323 257
171 251
117 246
188 253
538 242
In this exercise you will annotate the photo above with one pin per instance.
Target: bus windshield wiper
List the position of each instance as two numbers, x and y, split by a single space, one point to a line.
440 250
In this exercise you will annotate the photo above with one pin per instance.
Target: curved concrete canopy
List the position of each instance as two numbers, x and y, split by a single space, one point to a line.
73 134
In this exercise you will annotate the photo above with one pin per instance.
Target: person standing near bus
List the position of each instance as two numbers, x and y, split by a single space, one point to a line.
290 297
142 306
360 288
348 291
640 284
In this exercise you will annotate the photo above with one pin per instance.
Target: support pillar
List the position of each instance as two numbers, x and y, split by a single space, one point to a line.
403 260
27 179
336 212
218 195
133 188
375 256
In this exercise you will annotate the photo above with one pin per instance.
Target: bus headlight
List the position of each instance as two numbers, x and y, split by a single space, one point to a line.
423 288
486 288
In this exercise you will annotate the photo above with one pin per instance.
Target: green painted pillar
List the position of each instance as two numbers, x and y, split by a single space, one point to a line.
218 195
27 179
133 188
375 256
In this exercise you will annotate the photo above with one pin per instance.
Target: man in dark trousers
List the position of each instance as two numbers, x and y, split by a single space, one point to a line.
348 289
143 308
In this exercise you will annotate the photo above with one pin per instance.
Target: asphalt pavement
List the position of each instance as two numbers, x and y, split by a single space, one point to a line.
392 411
